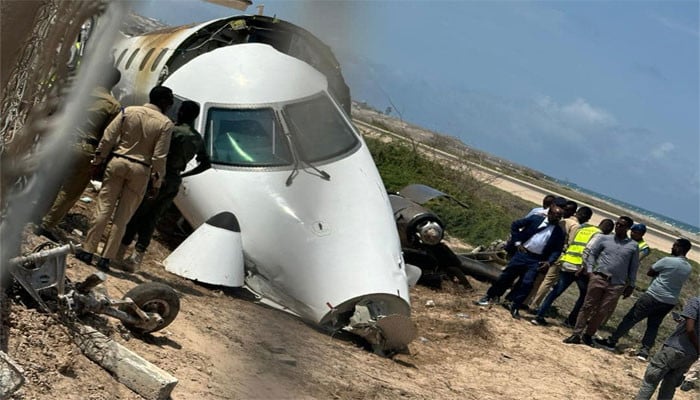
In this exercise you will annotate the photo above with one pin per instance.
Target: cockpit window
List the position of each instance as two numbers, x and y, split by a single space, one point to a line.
246 137
319 129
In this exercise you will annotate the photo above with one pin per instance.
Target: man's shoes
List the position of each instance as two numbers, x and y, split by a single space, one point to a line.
484 301
573 339
607 344
539 321
643 354
136 257
687 385
84 256
587 340
103 264
515 311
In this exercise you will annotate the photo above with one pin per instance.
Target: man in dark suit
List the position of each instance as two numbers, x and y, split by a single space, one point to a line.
537 242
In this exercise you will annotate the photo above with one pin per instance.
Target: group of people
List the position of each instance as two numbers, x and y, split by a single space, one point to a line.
554 246
141 155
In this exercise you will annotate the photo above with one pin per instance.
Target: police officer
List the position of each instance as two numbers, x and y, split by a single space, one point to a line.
186 142
102 111
138 143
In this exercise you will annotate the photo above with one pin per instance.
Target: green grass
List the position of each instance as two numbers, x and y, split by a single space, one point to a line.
489 216
490 211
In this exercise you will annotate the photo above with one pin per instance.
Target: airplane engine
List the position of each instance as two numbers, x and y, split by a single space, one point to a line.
415 222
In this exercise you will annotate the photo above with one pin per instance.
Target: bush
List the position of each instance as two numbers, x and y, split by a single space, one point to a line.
490 211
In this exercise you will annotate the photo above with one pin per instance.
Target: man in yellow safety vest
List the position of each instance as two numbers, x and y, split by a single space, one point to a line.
571 266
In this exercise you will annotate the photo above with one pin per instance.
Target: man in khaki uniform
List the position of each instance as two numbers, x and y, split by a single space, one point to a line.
101 112
139 143
185 144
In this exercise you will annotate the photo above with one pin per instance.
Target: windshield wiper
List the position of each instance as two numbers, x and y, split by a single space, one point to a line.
297 156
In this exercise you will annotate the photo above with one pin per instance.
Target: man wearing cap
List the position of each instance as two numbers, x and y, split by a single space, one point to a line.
669 274
612 263
637 232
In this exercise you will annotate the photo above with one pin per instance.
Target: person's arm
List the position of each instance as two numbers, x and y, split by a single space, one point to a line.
654 270
591 256
558 245
160 153
109 139
643 253
692 335
631 275
202 159
519 224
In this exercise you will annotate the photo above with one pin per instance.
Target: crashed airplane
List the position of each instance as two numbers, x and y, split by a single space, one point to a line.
293 207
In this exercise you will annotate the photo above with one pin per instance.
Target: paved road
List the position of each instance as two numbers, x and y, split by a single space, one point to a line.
656 238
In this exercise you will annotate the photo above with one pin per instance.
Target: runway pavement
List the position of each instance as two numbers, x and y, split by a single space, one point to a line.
656 238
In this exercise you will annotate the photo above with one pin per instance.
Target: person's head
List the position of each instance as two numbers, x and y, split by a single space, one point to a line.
681 247
559 202
188 112
547 201
162 97
623 224
554 214
570 208
584 214
606 226
637 232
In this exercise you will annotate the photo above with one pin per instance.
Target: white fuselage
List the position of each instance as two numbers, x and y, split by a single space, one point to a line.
312 245
315 243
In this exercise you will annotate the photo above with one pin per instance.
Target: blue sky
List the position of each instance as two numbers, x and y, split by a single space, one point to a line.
601 93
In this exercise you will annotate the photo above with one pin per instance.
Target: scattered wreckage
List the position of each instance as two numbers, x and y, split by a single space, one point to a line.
146 308
422 232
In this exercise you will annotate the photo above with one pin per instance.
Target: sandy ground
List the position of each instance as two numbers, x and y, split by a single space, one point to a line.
225 346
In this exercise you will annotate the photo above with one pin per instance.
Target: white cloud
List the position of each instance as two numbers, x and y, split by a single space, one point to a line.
576 113
581 111
662 150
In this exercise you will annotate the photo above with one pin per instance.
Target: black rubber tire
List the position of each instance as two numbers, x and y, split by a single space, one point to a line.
154 297
456 273
481 271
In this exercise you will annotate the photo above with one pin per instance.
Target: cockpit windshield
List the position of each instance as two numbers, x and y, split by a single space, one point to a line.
318 129
246 137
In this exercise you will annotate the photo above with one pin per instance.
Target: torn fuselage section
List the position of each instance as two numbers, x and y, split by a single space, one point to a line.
382 320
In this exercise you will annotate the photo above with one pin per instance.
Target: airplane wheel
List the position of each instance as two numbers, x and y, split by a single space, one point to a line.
153 297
